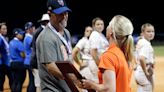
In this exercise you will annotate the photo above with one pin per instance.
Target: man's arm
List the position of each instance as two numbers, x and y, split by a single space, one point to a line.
54 70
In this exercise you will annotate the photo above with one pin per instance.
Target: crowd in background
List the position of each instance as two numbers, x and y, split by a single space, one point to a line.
16 54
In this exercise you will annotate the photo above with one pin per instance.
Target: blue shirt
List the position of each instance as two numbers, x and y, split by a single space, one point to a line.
16 48
4 51
28 48
1 50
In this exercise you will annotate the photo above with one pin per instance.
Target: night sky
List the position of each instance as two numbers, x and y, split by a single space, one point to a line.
17 12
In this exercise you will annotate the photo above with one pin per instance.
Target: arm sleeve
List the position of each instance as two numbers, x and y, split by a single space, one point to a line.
48 51
80 44
144 50
21 47
107 61
94 40
29 41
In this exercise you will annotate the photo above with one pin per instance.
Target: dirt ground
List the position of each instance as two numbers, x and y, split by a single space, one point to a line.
159 78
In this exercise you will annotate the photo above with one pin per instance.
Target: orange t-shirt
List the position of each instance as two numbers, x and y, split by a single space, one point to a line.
114 59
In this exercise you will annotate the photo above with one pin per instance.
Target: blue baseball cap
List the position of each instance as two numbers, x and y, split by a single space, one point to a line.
28 25
18 31
57 6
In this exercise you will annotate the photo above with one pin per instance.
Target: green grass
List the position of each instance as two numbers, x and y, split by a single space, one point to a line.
159 50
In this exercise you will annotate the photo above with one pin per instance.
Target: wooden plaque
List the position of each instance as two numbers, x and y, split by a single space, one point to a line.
67 67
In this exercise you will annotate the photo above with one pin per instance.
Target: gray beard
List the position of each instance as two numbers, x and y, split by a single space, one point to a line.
63 24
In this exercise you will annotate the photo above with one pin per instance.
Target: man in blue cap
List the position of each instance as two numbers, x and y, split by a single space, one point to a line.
54 44
17 55
29 28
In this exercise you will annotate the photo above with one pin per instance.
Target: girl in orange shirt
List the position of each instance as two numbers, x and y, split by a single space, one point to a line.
114 67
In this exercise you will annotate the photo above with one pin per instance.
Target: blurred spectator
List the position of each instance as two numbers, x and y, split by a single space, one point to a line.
17 56
34 63
4 57
29 28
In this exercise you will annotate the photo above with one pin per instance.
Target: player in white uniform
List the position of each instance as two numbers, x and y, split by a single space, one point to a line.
98 42
88 67
145 59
